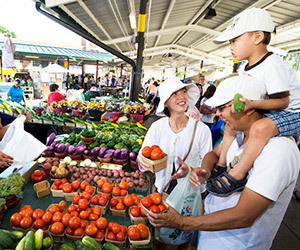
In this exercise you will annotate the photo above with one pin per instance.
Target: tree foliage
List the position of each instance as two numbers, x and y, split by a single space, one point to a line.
6 31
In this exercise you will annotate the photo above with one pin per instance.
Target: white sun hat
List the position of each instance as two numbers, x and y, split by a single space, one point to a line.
171 85
250 87
253 19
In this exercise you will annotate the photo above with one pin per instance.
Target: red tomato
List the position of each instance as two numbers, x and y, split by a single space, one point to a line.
136 199
93 217
102 201
57 182
57 217
84 184
83 204
65 219
90 189
155 198
111 236
124 185
94 200
99 235
116 228
116 191
78 232
15 219
47 218
38 173
69 231
37 214
147 202
156 154
26 212
107 188
74 214
35 178
25 207
135 212
106 196
74 223
161 207
89 210
128 200
120 206
86 195
154 209
57 228
62 206
101 223
146 151
76 198
83 224
120 236
91 230
134 233
97 210
64 180
75 184
54 187
113 202
67 188
110 225
84 215
123 229
154 147
26 222
144 232
72 208
37 224
53 209
123 192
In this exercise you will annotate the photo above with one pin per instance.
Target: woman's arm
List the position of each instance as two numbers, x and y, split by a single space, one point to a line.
204 111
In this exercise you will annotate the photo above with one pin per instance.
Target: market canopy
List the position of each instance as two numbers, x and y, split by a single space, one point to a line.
178 32
54 68
24 50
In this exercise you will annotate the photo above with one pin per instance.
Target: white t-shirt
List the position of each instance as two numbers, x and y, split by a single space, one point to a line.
208 118
278 77
273 176
175 145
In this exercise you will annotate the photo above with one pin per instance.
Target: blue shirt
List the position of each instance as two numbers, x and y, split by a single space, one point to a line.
15 94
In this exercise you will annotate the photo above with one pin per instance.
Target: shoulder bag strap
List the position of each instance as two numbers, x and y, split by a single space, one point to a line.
191 144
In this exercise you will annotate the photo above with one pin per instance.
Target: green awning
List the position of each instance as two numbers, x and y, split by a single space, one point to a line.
43 50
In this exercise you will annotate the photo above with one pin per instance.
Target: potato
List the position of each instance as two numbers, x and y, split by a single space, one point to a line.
109 174
54 169
127 174
136 182
116 174
131 184
128 179
55 163
62 165
141 182
121 172
47 165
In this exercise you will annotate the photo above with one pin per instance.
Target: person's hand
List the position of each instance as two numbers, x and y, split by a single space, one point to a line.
142 163
28 115
248 104
198 176
5 160
171 218
184 169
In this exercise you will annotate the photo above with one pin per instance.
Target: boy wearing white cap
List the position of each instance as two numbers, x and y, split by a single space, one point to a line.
247 220
249 33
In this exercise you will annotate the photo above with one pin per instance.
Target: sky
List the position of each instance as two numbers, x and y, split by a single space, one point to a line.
21 17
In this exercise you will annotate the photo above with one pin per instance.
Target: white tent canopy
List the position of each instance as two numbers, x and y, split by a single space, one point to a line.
55 68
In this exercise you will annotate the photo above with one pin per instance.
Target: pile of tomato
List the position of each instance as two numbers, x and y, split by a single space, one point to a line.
116 232
27 217
139 232
38 176
153 202
154 152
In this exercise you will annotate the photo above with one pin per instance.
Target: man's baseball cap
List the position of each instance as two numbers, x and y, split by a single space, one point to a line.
253 19
248 86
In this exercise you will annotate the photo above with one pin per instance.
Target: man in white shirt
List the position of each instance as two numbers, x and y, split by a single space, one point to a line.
250 219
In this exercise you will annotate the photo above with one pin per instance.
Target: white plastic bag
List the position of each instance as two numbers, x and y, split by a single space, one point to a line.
187 201
19 144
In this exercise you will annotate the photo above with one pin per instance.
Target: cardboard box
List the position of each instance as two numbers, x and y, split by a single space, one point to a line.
158 165
42 188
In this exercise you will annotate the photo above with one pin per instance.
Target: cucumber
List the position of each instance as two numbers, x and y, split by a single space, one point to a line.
109 246
29 242
90 243
21 244
38 239
80 246
18 234
5 240
47 242
67 246
238 105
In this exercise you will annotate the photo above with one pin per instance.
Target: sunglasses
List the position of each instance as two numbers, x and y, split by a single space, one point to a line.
220 108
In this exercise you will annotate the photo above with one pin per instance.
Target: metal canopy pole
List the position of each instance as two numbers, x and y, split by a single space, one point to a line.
97 62
81 32
136 76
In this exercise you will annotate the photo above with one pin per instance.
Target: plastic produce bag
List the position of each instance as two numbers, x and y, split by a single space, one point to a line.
19 144
187 201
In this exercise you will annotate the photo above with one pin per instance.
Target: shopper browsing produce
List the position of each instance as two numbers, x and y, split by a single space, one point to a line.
247 220
54 96
173 133
15 93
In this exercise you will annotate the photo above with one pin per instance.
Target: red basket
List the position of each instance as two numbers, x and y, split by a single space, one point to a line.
58 111
137 117
77 112
115 114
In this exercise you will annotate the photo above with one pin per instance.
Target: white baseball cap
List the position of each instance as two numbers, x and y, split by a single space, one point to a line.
250 87
253 19
171 85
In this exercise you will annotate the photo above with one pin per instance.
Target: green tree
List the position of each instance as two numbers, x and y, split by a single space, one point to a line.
6 31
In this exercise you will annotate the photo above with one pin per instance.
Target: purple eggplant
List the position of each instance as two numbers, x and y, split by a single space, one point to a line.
79 149
86 152
67 145
53 144
71 149
94 151
49 148
117 153
123 155
51 139
132 156
110 151
101 152
108 155
60 148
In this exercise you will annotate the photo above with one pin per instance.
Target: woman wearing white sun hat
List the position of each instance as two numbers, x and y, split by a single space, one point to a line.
173 133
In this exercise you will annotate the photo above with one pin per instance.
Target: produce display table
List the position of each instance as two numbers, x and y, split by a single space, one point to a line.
30 198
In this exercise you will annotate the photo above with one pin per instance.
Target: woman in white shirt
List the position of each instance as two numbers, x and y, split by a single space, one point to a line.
173 133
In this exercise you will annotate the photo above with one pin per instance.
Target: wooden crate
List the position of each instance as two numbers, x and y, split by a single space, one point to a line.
42 188
158 165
